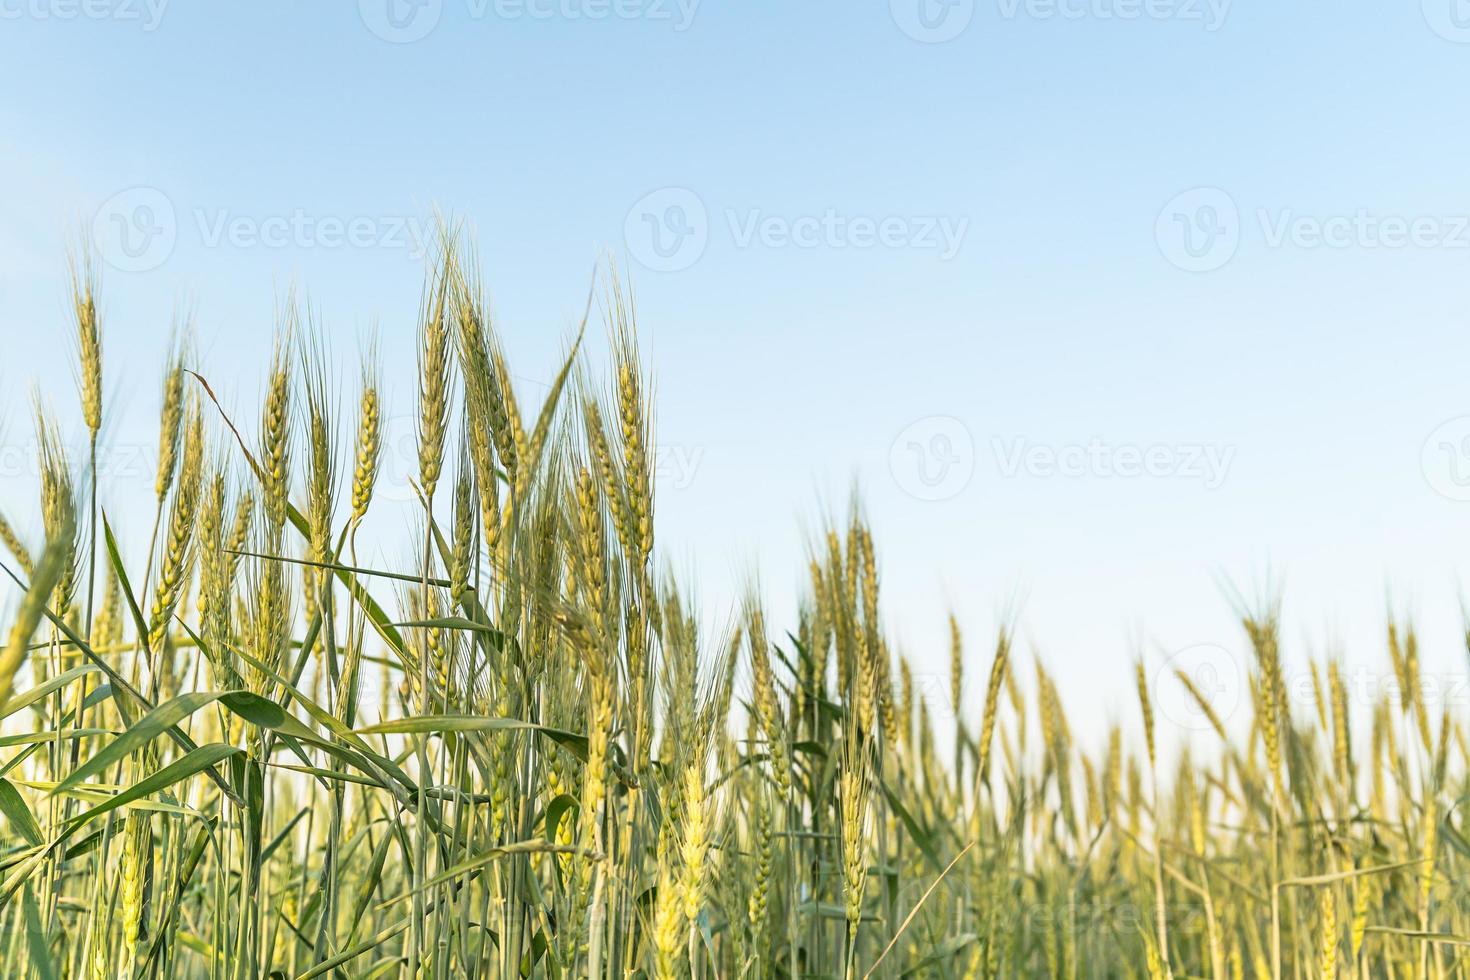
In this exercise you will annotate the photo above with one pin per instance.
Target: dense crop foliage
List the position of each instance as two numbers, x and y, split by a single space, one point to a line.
246 753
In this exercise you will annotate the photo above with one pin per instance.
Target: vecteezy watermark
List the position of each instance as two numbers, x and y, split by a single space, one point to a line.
934 694
1092 917
936 21
832 229
1210 14
406 21
1207 463
400 21
147 14
1369 687
932 21
668 230
932 458
115 461
1201 229
299 228
1363 229
1444 459
398 460
137 229
1204 685
675 466
1199 686
1450 19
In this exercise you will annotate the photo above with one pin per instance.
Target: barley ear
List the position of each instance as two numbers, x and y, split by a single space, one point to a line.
369 437
54 560
89 343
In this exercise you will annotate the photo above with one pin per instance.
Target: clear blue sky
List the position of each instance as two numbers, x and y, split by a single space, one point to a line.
801 306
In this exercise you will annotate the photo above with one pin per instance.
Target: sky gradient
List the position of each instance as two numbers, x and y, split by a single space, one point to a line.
1099 304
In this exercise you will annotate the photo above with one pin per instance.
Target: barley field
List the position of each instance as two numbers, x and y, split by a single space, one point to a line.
247 753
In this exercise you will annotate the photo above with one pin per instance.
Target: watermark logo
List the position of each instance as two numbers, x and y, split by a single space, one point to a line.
406 21
1450 19
675 466
941 234
679 13
1364 229
401 21
1199 230
128 461
667 230
935 694
1210 14
135 230
1197 682
1208 464
1445 459
302 229
933 458
932 21
398 460
148 14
